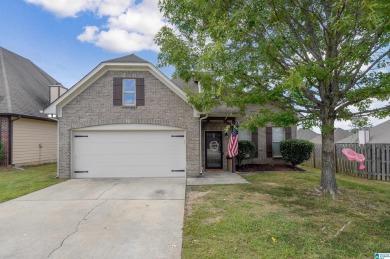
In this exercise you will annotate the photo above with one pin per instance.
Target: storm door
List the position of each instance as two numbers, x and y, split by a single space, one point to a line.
213 147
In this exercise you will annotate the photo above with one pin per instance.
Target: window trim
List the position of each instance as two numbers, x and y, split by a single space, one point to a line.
129 92
272 141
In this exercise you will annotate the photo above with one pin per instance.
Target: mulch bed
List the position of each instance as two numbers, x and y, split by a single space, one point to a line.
267 167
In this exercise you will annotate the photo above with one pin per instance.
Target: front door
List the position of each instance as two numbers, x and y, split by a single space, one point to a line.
213 146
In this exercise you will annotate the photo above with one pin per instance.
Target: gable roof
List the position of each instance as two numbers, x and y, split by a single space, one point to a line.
306 134
127 59
24 87
378 134
126 63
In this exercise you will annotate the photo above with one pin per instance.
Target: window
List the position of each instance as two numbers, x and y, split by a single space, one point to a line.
129 93
244 134
277 136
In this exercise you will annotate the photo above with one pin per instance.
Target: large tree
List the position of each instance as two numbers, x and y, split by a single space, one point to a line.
325 60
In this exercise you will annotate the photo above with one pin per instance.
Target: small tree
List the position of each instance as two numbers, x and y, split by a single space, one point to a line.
296 151
246 150
327 60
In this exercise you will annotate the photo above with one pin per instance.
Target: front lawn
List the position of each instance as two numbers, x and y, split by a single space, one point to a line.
283 215
16 183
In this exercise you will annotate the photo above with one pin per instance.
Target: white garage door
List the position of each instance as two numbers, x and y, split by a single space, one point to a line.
98 154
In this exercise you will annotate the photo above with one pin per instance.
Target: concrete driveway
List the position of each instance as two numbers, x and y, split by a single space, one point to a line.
96 218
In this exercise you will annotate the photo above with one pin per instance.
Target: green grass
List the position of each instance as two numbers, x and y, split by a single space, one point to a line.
16 183
239 221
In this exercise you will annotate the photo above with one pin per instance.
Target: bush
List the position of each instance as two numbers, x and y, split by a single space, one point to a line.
296 151
246 150
1 151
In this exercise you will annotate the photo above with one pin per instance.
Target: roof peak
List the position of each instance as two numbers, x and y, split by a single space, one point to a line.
23 85
13 53
132 58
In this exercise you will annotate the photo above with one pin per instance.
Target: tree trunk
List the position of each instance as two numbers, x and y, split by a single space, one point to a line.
328 173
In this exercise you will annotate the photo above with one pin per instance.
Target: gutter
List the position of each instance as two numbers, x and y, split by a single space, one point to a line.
200 143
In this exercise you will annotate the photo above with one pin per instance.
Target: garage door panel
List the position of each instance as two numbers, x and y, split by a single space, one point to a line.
135 136
130 150
118 148
129 154
137 171
103 159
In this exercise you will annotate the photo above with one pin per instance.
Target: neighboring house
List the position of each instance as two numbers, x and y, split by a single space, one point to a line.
339 134
306 134
126 119
378 134
27 135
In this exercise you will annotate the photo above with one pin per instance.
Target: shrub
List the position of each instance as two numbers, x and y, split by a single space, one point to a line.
1 151
246 150
296 151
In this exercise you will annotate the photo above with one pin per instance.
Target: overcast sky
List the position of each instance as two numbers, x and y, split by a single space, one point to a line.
68 38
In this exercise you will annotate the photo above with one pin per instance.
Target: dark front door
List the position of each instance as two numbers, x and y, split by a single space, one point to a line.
213 146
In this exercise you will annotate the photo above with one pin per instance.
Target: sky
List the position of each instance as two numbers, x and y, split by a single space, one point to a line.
68 38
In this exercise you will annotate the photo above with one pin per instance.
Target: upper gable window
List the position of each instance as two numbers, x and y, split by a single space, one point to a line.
129 92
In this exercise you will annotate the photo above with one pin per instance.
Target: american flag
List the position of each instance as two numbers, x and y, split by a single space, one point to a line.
233 143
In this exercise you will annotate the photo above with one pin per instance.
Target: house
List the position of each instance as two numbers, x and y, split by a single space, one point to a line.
27 135
338 135
127 119
378 134
306 134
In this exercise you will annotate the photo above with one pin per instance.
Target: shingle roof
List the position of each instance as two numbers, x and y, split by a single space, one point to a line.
354 138
127 59
306 134
192 85
339 134
24 87
378 134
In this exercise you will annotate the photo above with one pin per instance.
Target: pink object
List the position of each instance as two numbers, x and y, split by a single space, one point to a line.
353 156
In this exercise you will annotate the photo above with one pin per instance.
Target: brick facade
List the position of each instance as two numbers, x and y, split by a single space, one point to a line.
4 138
94 106
262 149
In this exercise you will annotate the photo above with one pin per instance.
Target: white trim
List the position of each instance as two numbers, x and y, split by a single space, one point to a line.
127 127
96 73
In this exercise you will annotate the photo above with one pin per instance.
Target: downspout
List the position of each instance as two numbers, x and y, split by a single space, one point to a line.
200 143
10 139
58 146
